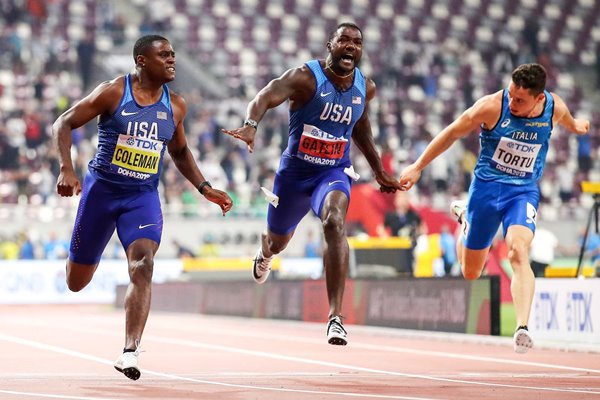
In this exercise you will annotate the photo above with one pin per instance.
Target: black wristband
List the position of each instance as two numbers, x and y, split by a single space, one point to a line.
202 185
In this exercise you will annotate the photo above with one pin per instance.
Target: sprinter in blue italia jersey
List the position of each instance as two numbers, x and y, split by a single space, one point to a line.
515 125
138 119
328 106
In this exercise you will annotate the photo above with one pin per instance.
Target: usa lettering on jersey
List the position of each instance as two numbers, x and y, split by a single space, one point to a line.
336 113
143 129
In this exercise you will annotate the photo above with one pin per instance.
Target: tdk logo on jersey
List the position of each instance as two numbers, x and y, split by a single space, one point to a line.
145 144
522 147
143 129
336 113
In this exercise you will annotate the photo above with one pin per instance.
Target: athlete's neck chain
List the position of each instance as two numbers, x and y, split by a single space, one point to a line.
328 66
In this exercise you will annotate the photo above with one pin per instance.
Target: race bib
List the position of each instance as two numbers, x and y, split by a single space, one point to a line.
319 147
515 158
136 157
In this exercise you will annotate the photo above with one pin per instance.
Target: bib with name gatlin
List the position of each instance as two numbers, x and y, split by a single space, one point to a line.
132 141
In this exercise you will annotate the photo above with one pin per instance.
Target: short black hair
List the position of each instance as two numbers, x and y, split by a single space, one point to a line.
344 25
145 42
530 76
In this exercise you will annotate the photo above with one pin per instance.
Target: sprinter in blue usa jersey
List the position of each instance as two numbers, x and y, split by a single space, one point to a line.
515 125
328 106
138 119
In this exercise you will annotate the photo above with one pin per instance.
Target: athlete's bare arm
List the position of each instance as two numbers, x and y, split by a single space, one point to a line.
363 139
485 112
102 100
297 85
184 159
563 117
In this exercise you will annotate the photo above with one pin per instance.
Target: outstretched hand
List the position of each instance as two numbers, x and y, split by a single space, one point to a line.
220 198
409 176
245 133
387 184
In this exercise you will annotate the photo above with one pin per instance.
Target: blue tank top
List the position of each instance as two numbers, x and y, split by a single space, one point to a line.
320 131
514 151
132 141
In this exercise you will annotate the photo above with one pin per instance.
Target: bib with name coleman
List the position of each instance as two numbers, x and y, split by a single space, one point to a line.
132 141
514 151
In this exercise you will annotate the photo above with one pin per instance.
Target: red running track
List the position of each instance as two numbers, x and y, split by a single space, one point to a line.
66 352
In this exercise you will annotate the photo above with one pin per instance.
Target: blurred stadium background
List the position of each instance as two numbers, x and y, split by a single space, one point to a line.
429 58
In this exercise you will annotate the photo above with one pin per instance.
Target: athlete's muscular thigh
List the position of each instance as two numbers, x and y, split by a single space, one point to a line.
79 275
94 224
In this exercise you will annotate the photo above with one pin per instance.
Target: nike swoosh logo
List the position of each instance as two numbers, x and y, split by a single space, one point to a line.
125 113
145 226
325 94
331 183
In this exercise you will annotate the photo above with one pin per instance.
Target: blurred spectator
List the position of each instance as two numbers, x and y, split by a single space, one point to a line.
592 249
181 250
210 247
530 35
118 30
448 248
597 65
9 249
86 49
566 181
402 221
584 154
26 247
55 248
312 245
541 253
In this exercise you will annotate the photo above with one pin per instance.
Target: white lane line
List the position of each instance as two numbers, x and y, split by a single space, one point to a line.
62 350
182 327
352 367
53 396
395 349
475 358
357 368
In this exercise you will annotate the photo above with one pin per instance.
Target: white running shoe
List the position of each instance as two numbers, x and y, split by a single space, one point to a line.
127 363
262 267
458 208
336 334
523 341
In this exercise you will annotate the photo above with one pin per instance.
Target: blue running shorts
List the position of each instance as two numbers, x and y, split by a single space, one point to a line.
298 194
493 203
104 207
